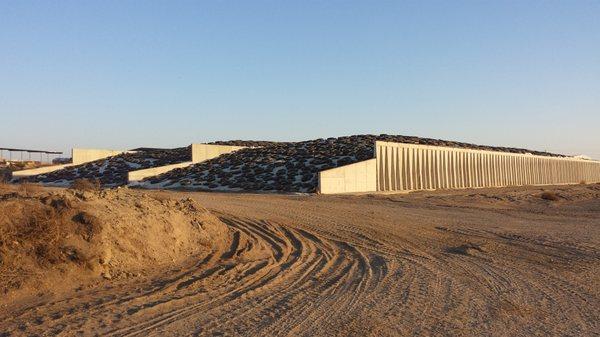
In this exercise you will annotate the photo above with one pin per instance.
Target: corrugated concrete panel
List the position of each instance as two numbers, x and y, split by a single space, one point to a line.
406 167
357 177
133 176
202 152
81 156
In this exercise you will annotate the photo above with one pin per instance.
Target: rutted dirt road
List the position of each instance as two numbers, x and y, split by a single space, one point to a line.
478 262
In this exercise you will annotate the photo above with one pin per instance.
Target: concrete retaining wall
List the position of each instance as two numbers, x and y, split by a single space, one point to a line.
39 170
357 177
405 167
134 176
80 156
202 152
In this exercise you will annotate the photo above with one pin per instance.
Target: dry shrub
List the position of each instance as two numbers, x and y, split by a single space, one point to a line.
5 175
86 185
160 197
59 203
38 234
550 196
29 189
89 225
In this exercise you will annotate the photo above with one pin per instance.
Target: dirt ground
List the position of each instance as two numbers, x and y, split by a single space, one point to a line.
486 262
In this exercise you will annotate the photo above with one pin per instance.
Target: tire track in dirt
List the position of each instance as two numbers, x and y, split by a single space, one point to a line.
286 264
318 272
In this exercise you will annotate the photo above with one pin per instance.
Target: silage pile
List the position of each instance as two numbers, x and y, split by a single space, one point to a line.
74 235
247 143
112 171
289 166
263 166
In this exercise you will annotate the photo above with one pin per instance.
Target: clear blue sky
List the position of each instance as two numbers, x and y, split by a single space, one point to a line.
124 74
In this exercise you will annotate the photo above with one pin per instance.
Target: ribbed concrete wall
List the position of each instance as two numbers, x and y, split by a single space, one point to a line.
357 177
405 167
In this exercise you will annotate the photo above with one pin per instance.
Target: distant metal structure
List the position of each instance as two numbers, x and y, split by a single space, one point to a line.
29 152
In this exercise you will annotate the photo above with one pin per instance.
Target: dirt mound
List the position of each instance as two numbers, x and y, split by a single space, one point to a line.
485 262
74 235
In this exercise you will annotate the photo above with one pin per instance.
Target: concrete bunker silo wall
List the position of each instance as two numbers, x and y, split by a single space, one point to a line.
200 153
39 170
357 177
407 167
78 157
81 156
139 175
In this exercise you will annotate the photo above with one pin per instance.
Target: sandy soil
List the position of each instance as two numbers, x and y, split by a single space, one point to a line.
501 262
